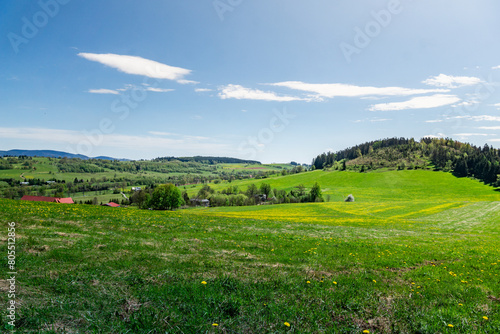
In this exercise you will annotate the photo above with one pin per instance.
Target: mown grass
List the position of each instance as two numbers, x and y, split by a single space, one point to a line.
407 265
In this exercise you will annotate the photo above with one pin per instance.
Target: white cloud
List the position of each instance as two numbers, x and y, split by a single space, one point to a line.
201 90
437 135
489 127
450 81
103 91
469 103
373 120
421 102
434 121
495 140
497 105
187 82
496 67
139 66
345 90
159 90
241 93
480 118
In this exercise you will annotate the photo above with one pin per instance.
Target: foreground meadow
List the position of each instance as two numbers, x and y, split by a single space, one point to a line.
425 264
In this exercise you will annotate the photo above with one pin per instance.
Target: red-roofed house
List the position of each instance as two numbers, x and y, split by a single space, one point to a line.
67 200
112 204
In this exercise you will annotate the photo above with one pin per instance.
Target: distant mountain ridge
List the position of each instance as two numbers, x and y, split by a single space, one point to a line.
52 154
60 154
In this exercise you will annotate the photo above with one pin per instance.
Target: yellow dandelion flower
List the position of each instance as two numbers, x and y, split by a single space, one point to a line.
203 282
287 324
485 318
460 304
334 282
366 331
374 281
450 325
308 282
215 325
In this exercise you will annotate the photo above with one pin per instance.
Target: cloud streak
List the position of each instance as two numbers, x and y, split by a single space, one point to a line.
139 66
450 81
103 91
420 102
242 93
344 90
156 140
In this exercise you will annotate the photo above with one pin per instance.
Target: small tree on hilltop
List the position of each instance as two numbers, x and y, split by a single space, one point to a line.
166 197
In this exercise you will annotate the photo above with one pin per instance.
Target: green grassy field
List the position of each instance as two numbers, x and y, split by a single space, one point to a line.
416 253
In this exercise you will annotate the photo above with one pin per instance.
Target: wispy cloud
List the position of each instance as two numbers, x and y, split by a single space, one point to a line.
103 91
420 102
139 66
479 118
177 135
434 121
466 135
201 90
130 87
159 90
155 140
489 127
344 90
496 67
450 81
242 93
373 120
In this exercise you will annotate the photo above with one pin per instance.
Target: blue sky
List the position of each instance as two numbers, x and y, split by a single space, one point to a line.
274 81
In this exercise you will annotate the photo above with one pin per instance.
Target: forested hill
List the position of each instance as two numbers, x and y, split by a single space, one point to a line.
445 154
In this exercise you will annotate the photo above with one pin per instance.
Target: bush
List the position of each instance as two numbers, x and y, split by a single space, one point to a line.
166 197
349 198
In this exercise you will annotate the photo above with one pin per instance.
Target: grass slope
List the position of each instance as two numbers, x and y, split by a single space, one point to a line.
416 261
374 186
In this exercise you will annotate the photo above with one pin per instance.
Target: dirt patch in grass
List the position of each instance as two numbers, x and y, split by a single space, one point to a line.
38 249
494 298
129 307
70 235
59 327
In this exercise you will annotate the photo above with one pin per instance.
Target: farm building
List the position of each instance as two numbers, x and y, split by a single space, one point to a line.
112 204
200 202
67 200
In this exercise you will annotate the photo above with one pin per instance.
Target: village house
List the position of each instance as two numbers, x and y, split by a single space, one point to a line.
67 200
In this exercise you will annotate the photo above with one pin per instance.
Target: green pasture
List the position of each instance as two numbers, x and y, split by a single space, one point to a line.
376 186
416 253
